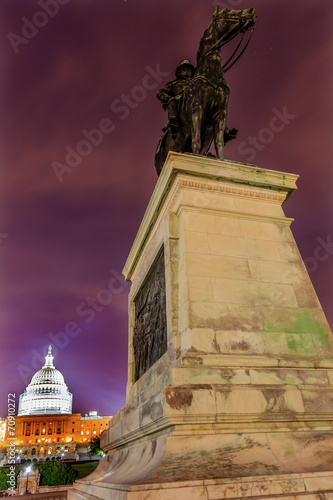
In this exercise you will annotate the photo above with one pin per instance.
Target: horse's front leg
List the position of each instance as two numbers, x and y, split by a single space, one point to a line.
219 129
196 120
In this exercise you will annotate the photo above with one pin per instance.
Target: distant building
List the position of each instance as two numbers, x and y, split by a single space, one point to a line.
45 425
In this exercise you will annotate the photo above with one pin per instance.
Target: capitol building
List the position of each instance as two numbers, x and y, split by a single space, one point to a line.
45 426
47 393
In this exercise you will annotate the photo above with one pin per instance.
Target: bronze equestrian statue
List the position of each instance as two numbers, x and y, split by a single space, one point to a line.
197 100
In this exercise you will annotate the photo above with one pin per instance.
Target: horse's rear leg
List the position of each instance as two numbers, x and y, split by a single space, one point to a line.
219 129
196 128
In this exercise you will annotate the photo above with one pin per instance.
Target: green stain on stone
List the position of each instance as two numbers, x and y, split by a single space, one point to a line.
300 343
299 321
292 379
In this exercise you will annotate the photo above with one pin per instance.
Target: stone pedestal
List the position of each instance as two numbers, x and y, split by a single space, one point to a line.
240 403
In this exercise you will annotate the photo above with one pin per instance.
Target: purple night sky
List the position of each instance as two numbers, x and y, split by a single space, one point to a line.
62 242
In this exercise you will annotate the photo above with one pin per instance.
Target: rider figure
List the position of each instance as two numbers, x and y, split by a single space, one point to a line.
171 93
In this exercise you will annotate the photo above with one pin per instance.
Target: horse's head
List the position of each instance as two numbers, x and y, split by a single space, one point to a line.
230 22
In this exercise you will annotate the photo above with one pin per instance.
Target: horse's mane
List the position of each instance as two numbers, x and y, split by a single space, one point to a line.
206 36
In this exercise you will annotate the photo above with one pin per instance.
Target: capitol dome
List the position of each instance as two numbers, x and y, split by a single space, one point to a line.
47 393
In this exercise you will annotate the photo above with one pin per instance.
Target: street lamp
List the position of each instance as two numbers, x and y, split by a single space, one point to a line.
27 470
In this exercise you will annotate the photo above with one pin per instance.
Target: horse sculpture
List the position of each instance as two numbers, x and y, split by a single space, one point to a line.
203 107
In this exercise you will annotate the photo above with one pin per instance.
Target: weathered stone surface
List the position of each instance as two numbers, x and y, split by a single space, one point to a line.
245 387
316 486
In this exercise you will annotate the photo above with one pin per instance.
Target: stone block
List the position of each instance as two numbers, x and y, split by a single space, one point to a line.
262 229
201 340
200 288
176 493
289 252
196 242
306 297
278 272
318 401
294 320
240 401
210 375
235 342
324 344
233 291
288 376
219 316
265 399
205 221
246 248
217 266
190 399
152 410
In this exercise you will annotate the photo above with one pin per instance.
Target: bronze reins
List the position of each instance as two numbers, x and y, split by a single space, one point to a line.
220 43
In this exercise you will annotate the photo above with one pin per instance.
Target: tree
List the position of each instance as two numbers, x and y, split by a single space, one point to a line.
95 446
4 475
56 474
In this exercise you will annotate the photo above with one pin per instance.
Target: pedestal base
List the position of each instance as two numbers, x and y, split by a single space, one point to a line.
312 486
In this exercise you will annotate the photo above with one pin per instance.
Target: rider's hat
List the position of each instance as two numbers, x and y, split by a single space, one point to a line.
187 64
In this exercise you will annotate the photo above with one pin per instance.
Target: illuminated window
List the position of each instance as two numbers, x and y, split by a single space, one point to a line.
81 433
87 432
43 431
94 432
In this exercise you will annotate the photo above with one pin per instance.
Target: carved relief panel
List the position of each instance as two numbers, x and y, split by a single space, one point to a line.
150 330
